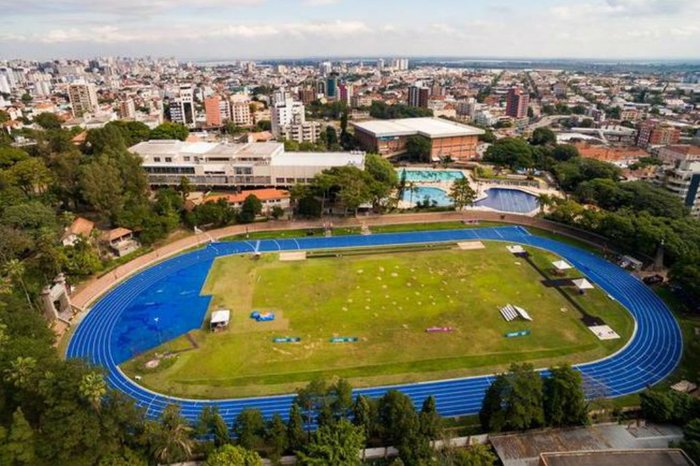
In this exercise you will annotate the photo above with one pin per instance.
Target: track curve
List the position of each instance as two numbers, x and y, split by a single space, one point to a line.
105 333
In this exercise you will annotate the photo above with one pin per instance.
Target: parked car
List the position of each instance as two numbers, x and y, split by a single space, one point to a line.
653 279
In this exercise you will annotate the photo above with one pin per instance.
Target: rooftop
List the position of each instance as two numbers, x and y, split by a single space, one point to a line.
661 457
428 127
314 159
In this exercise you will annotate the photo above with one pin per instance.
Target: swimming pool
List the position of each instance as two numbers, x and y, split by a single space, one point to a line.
421 193
429 176
509 200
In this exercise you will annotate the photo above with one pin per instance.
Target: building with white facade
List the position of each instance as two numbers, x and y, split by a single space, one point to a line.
684 182
263 164
289 121
182 107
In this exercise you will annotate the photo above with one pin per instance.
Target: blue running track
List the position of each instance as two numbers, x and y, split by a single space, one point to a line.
163 302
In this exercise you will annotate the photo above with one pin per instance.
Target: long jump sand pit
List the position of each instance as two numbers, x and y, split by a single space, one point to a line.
292 256
470 245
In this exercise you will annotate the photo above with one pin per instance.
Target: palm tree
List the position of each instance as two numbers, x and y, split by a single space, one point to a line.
171 438
411 189
92 388
545 200
14 269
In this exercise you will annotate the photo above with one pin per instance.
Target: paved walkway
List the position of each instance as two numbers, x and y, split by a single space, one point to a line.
88 291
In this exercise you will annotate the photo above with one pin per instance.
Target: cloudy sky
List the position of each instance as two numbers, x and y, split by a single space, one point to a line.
224 29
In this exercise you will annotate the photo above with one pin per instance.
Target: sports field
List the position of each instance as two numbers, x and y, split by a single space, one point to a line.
386 299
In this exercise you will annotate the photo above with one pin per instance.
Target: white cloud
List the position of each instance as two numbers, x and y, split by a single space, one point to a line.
320 2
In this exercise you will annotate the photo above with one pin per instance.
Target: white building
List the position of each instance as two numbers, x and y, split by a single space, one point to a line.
289 121
236 165
684 182
182 107
83 98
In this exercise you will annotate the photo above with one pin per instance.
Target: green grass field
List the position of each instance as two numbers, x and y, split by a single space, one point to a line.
387 301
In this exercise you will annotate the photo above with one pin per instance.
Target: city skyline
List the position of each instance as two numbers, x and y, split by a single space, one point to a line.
260 29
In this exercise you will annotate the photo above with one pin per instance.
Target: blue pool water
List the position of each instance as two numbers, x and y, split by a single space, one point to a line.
509 200
427 176
421 193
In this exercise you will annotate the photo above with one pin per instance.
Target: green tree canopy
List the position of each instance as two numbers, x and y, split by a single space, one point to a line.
543 137
339 444
230 455
169 130
564 400
515 153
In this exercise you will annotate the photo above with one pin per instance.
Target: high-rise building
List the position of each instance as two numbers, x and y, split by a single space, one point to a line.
332 86
418 95
289 122
240 110
182 107
399 64
307 95
83 98
325 68
517 101
345 92
467 108
684 182
127 108
216 110
380 64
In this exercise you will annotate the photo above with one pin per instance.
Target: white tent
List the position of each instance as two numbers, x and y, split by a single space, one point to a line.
515 249
583 284
220 318
561 265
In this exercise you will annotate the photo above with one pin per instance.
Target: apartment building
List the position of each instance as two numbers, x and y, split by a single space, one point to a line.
83 98
684 181
182 107
517 102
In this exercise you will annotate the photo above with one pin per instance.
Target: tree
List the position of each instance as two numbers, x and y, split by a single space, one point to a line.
48 121
331 138
170 130
124 458
564 152
363 415
250 209
513 401
93 388
400 426
170 439
564 400
249 428
295 428
462 193
211 423
474 455
686 274
430 420
19 448
30 175
383 177
276 437
230 455
337 445
14 270
515 153
418 148
543 137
